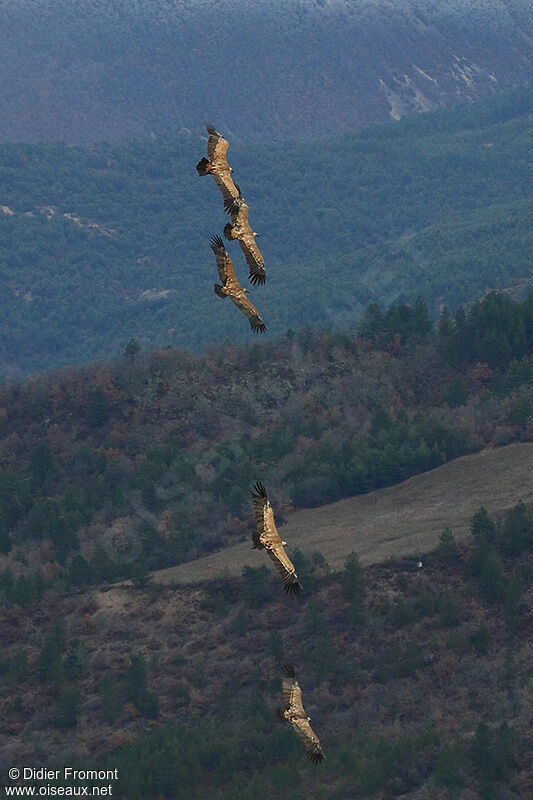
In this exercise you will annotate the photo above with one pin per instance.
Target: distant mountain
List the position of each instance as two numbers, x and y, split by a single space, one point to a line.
83 70
103 243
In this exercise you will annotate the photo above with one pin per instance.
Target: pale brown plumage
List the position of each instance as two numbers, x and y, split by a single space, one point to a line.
294 713
232 288
240 229
266 536
216 164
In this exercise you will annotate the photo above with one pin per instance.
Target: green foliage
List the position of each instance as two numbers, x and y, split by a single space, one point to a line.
50 659
98 408
390 452
492 752
15 669
353 587
447 550
255 587
521 411
518 373
403 321
14 497
402 613
132 349
491 579
135 687
450 766
399 660
480 639
67 708
110 695
321 415
492 542
22 590
438 216
482 526
455 393
41 463
516 533
496 331
274 646
79 571
449 611
181 693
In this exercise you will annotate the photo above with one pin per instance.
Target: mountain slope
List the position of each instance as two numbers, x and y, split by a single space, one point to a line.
417 680
101 244
405 519
83 70
114 470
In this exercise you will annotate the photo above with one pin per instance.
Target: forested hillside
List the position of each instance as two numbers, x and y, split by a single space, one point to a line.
417 679
82 71
112 470
102 244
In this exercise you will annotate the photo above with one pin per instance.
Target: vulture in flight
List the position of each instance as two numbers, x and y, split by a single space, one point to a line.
216 165
267 536
293 712
232 288
240 229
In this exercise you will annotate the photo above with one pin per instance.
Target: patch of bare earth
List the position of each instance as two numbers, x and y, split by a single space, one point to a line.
405 519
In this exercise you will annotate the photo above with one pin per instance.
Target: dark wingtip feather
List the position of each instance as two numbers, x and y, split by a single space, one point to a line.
211 129
257 278
316 757
216 243
288 670
260 490
292 588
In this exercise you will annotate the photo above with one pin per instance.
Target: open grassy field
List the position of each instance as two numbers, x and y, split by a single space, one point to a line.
406 519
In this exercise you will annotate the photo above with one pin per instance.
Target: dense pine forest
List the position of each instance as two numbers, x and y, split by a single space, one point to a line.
102 244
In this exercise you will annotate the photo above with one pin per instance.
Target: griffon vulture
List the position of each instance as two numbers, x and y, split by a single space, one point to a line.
240 229
293 712
217 165
266 536
231 286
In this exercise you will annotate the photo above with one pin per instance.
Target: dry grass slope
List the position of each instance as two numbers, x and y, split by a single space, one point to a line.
406 519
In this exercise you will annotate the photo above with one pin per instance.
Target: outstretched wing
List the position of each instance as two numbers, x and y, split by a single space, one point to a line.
264 514
290 688
292 702
224 262
238 209
254 259
249 311
309 738
217 147
271 541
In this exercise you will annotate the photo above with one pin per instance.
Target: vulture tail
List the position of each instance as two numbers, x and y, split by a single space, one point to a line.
228 232
218 290
203 167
